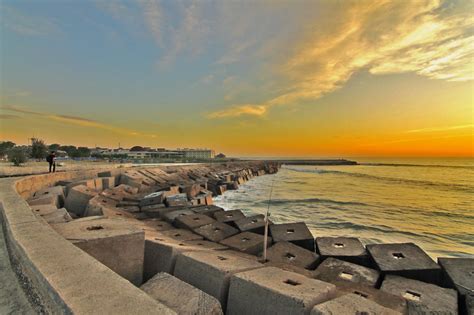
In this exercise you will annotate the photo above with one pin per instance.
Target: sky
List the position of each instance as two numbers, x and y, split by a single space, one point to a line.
246 78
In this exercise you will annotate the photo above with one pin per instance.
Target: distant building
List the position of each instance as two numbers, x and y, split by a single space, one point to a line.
160 153
197 153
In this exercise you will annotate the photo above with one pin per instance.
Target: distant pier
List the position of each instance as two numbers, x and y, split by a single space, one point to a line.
316 162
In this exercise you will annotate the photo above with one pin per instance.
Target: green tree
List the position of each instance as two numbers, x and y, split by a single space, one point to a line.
83 152
69 149
17 156
39 150
54 147
5 146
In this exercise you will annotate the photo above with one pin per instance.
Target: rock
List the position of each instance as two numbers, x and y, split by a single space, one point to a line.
271 290
288 253
246 242
333 269
180 296
296 233
351 304
216 231
344 248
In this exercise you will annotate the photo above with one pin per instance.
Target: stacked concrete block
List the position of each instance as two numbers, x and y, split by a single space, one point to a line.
296 233
89 183
96 205
156 225
290 254
255 224
216 231
274 291
422 296
180 235
229 216
207 210
171 216
191 190
156 211
344 248
78 198
458 273
41 210
333 269
108 182
45 200
55 190
404 259
120 192
153 199
177 200
192 221
115 243
58 216
210 271
247 242
180 296
351 304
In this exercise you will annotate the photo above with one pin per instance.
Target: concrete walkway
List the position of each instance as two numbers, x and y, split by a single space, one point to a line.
12 298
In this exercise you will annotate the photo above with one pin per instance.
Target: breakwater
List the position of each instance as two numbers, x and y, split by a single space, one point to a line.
161 246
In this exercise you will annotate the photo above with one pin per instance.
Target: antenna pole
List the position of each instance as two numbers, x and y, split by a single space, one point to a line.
267 214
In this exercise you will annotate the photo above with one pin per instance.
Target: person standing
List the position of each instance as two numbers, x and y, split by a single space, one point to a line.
51 158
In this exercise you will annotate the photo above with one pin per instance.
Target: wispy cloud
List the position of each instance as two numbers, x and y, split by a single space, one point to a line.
380 36
9 116
27 25
440 129
75 120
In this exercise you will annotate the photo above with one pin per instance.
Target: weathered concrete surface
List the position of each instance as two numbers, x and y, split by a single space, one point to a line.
344 248
78 198
207 210
211 271
247 242
405 259
192 221
333 269
216 232
296 233
351 304
288 253
229 216
430 298
180 296
58 216
172 215
271 290
56 190
115 243
458 273
255 224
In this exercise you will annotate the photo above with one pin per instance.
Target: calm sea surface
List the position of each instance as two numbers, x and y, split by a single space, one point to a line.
426 201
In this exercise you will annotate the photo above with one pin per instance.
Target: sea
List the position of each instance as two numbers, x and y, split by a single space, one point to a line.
426 201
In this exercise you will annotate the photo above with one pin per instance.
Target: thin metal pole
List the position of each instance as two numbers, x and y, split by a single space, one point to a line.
265 237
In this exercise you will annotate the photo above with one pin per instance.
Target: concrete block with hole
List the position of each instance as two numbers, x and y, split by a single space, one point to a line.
172 215
177 200
58 216
156 225
246 242
207 210
296 233
55 190
78 198
458 273
333 269
351 304
210 271
181 235
427 297
161 253
90 183
192 221
45 200
153 198
229 216
291 254
108 182
155 211
115 243
180 296
255 224
271 290
404 259
216 231
96 205
41 210
344 248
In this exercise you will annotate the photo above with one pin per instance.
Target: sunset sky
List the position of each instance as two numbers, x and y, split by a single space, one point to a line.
253 78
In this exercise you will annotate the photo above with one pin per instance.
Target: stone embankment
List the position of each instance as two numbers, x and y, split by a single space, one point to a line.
149 240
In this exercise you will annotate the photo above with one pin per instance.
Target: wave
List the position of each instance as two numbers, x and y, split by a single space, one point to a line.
459 187
313 200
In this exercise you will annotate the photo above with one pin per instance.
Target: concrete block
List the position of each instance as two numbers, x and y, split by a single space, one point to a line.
180 296
156 225
96 205
153 199
333 269
89 183
291 254
115 243
172 215
58 216
98 184
458 273
271 290
468 304
108 182
255 224
246 242
404 259
291 268
344 248
229 216
55 190
216 231
382 298
351 304
210 271
78 198
50 200
43 209
191 190
207 210
178 200
120 192
192 221
180 235
296 233
430 297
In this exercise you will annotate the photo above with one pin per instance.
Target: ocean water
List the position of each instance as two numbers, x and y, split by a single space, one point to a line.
426 201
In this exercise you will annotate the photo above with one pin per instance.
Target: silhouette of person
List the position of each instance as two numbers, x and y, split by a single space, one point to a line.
51 158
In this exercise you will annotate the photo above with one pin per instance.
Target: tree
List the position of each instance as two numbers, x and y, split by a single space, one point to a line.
137 148
69 149
17 156
5 146
39 150
220 156
54 147
83 152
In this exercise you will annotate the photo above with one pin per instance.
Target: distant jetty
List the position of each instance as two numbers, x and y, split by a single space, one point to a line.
316 162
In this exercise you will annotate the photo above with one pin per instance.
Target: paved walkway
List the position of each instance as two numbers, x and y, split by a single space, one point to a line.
12 298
